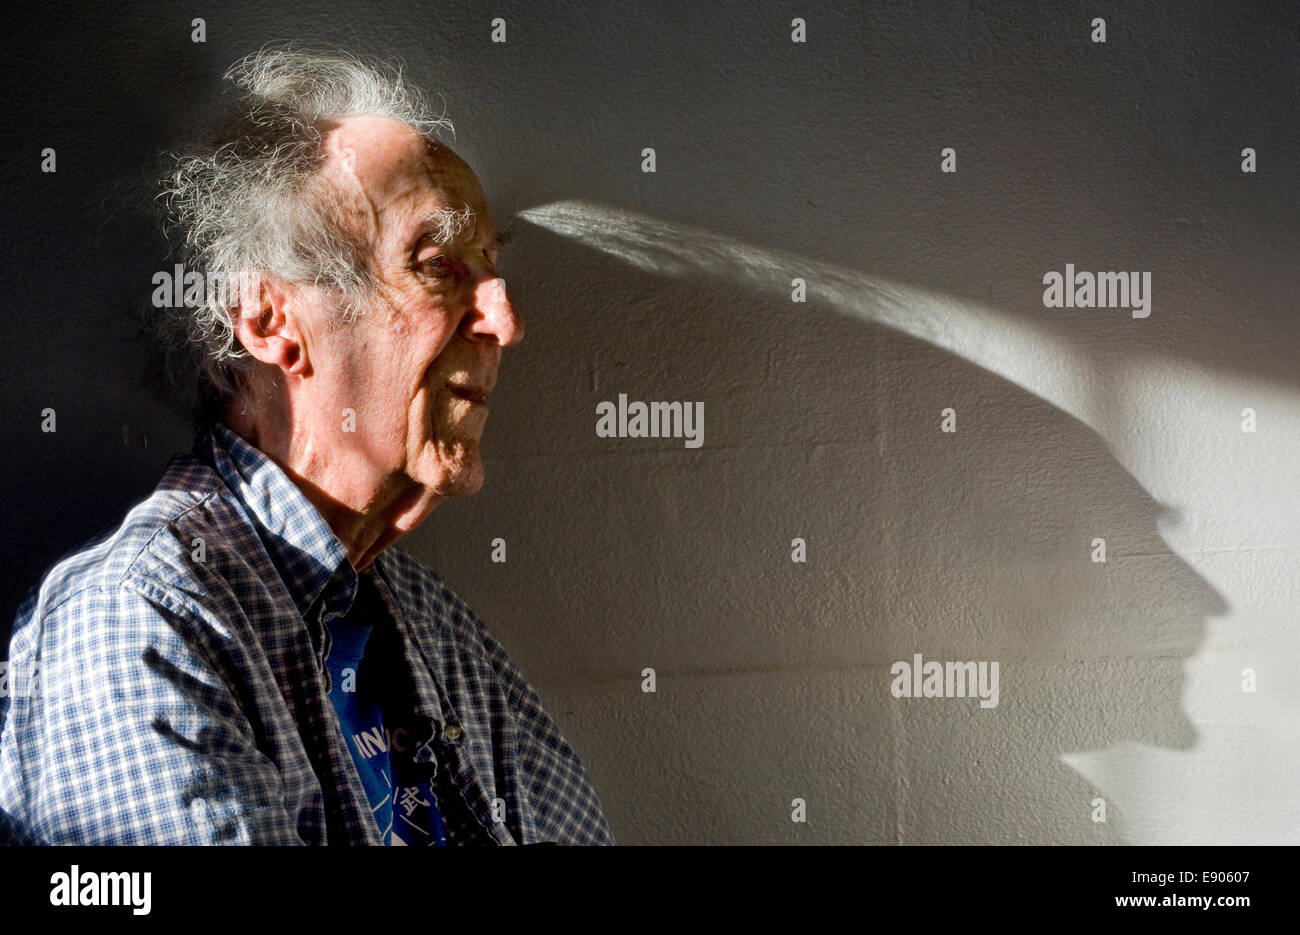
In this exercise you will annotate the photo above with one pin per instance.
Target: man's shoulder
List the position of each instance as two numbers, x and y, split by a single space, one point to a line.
163 537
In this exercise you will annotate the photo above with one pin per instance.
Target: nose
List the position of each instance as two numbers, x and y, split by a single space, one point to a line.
496 318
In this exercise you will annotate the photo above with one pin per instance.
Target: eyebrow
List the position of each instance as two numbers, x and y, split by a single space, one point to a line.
444 225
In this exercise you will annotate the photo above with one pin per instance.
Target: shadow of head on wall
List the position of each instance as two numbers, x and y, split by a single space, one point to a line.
1016 537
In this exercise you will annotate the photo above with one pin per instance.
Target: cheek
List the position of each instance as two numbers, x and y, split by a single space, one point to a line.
436 416
378 387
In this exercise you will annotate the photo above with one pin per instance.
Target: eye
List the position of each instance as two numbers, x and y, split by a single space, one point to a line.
437 266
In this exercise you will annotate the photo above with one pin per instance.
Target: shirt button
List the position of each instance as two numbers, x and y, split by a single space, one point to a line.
453 732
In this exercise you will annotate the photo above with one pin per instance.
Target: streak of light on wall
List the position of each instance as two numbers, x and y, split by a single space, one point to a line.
1016 350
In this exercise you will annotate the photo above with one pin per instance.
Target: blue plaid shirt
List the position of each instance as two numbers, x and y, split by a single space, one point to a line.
166 684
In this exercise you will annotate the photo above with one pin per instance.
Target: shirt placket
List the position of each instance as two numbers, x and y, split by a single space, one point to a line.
456 773
340 758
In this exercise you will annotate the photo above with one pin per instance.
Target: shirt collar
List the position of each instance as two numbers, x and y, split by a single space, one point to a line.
310 558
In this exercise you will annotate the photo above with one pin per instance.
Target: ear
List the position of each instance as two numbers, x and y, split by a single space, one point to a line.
268 323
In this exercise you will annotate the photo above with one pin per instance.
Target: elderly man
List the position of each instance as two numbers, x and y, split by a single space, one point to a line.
247 658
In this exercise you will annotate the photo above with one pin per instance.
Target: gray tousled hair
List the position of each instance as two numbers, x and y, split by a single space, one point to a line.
249 198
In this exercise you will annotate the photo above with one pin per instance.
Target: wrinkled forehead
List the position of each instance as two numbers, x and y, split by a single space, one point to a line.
398 180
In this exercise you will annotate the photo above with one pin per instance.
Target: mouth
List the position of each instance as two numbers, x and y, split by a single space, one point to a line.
470 393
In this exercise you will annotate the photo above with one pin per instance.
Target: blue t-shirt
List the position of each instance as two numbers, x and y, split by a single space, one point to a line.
361 669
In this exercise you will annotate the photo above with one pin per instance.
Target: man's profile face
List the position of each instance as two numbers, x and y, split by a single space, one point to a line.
417 365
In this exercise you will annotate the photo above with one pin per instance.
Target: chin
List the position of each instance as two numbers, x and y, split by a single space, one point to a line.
461 473
470 483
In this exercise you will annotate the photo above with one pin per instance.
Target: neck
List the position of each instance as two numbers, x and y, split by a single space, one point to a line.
368 509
